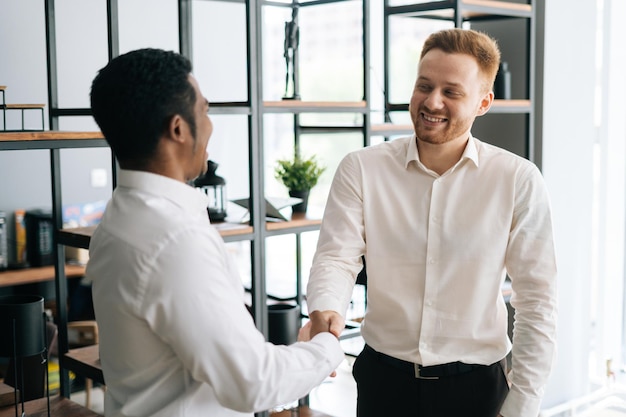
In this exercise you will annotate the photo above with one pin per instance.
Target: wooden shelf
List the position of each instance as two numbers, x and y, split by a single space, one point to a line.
48 135
299 222
39 274
498 107
492 6
469 9
391 129
79 237
85 361
58 407
233 230
510 106
299 106
52 139
14 106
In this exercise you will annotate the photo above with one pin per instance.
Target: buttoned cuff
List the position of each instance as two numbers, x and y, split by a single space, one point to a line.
323 303
517 404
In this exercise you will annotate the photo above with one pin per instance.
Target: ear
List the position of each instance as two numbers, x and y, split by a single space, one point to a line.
485 103
176 128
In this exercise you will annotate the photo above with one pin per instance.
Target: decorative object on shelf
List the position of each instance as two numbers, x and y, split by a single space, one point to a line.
273 205
284 322
4 107
302 195
299 175
23 334
39 237
292 40
4 252
502 83
215 187
20 237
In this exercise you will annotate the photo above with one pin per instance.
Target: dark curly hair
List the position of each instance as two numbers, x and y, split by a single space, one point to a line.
135 96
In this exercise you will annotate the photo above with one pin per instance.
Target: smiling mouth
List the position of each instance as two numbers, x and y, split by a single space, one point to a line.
432 119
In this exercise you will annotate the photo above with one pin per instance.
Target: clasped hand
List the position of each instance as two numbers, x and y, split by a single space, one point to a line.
322 321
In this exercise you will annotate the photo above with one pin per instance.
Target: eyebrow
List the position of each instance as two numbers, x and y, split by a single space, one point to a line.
448 84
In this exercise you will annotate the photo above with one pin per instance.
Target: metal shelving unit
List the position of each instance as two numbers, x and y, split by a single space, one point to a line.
53 142
254 108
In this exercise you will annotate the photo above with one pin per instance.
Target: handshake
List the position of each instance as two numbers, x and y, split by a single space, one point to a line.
321 321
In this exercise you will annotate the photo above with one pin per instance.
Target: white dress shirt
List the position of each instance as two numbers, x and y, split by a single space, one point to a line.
437 249
175 336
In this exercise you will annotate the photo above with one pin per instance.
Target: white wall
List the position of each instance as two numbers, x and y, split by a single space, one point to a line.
568 136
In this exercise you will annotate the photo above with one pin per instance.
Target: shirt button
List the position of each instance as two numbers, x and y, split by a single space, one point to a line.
431 260
429 303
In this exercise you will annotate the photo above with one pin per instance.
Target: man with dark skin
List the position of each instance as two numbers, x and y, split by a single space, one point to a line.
175 336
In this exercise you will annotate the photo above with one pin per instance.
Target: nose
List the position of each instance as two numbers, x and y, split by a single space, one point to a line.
210 129
434 100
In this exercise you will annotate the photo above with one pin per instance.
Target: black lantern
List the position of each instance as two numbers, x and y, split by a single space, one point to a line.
213 186
23 335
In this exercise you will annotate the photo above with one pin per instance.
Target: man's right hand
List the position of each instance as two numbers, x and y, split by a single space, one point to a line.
326 321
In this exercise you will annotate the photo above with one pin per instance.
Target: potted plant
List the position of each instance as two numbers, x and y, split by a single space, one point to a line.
299 175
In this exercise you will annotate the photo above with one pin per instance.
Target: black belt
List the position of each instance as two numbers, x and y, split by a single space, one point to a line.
425 372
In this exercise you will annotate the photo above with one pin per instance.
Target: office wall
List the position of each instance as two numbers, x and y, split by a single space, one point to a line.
568 136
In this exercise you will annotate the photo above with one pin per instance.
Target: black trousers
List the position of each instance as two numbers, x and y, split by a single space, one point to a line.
386 391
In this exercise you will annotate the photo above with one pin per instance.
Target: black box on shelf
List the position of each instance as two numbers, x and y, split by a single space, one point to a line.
39 237
4 252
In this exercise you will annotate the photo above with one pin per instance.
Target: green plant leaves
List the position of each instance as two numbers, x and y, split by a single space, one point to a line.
298 173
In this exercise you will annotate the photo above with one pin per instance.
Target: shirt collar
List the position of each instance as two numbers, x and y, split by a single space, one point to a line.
470 152
187 197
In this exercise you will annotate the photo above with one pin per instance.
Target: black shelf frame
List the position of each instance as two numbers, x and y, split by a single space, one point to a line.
254 108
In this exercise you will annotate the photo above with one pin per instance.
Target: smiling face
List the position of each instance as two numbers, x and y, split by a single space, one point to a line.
449 93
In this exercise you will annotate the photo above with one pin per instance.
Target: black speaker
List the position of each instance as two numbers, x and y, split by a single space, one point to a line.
39 237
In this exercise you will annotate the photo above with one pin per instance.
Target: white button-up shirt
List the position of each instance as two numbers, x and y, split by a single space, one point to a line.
175 336
438 249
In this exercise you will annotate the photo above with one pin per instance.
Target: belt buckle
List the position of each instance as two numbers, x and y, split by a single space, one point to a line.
419 376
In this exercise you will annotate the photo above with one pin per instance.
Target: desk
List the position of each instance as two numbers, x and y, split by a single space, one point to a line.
7 395
40 274
85 361
59 406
